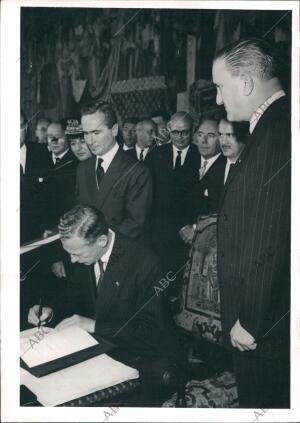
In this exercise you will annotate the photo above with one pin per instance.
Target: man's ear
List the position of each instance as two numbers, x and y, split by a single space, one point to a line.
168 126
247 83
103 240
115 129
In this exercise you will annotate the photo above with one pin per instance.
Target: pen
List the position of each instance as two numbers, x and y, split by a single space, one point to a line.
40 312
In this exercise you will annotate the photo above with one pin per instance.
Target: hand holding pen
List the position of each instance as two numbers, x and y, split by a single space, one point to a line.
39 315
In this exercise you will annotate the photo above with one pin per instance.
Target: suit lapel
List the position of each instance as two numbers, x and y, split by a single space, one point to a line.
92 283
112 281
169 156
238 166
109 179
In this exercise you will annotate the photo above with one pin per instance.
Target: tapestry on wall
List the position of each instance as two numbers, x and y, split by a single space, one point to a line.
139 97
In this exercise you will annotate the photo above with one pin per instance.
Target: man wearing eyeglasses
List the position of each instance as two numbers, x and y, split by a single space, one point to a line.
175 169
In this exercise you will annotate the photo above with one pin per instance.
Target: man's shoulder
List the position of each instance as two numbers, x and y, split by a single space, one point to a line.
277 115
129 165
134 249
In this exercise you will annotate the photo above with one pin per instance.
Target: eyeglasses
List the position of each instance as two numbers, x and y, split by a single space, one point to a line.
210 135
183 133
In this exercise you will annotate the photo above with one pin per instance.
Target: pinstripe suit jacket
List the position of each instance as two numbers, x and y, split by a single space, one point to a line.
254 236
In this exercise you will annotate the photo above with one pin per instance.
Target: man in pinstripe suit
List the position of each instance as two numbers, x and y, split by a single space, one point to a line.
254 225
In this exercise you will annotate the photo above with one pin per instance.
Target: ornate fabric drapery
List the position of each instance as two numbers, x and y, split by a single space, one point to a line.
200 311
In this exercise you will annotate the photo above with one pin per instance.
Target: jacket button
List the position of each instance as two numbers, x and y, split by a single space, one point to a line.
221 253
225 217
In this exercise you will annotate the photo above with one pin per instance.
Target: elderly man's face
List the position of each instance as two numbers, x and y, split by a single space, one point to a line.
129 134
230 146
83 252
56 139
180 132
145 132
207 139
229 92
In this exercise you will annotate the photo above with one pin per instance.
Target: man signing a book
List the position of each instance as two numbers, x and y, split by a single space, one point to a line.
111 292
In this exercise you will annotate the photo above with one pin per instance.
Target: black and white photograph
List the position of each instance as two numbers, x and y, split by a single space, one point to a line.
150 235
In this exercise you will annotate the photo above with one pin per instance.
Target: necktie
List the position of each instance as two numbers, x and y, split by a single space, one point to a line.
57 161
231 167
203 169
178 160
141 158
101 277
99 171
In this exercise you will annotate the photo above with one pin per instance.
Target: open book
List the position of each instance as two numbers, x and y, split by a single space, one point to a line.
47 350
79 380
75 379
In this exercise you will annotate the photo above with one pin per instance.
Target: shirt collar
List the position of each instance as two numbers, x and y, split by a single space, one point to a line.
23 149
108 157
262 108
209 161
105 257
139 149
125 147
60 156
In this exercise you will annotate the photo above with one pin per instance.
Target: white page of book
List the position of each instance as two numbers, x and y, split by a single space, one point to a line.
76 381
39 349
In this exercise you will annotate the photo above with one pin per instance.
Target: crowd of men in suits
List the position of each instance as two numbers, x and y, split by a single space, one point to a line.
127 211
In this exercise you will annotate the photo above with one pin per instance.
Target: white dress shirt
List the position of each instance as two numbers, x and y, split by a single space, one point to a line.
23 151
182 156
227 167
125 147
108 157
54 157
209 161
105 257
138 151
262 108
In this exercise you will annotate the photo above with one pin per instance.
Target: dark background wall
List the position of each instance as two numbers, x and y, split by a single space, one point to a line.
69 55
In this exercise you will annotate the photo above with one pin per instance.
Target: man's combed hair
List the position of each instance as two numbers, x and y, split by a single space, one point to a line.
252 55
185 116
83 221
102 107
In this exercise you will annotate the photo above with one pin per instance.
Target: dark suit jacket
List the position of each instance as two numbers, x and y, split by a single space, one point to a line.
132 152
127 290
213 182
254 235
61 182
33 208
171 187
125 194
